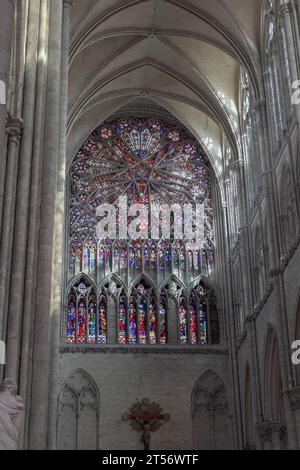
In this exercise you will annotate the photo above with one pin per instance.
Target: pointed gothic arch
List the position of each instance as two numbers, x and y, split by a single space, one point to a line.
78 413
273 400
288 209
249 412
211 414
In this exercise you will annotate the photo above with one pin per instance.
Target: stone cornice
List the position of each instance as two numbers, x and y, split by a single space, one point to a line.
129 349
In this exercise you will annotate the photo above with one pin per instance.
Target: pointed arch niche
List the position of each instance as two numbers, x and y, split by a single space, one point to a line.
211 414
78 413
273 401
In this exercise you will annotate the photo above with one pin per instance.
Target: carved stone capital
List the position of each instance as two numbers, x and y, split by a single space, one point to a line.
285 8
249 446
294 397
68 3
238 164
268 428
265 431
283 435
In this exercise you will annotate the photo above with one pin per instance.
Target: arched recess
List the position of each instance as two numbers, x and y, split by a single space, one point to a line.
273 401
249 416
211 414
78 413
288 209
259 266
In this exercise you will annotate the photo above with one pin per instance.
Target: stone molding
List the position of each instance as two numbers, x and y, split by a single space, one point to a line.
129 349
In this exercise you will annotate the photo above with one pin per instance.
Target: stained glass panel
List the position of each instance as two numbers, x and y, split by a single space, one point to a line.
82 321
163 323
132 321
193 324
151 162
147 160
203 323
71 319
142 321
152 321
102 338
183 324
122 320
92 321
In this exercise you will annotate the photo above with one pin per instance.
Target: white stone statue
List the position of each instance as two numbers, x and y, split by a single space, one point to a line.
11 407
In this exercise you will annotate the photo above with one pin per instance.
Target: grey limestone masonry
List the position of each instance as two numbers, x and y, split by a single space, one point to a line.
224 76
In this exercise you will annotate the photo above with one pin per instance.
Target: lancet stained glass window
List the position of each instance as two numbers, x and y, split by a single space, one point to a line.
155 163
86 322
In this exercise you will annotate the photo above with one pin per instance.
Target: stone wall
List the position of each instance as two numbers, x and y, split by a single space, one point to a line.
167 378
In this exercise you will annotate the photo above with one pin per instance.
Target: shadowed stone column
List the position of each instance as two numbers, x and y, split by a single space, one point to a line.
13 129
7 9
46 253
289 14
23 192
30 275
60 213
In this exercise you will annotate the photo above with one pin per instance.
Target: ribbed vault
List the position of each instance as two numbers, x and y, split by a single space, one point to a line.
184 56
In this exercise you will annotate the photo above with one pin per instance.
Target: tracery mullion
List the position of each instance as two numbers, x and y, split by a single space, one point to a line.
138 319
127 330
86 301
171 188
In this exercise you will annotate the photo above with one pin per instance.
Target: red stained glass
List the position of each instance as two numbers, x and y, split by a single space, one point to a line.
81 322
